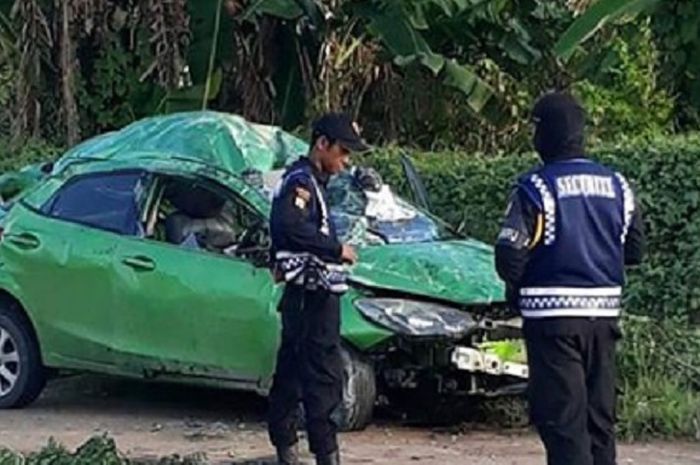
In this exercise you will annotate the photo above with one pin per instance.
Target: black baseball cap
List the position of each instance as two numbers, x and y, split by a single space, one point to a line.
342 129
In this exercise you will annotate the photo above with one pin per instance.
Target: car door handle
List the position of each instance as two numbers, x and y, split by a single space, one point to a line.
139 263
23 240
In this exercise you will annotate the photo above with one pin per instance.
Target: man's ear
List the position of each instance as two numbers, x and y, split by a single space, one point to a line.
322 143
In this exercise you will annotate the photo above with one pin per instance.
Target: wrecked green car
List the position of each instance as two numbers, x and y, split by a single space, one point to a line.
144 253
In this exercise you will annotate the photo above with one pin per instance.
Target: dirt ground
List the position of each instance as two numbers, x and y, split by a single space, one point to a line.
151 420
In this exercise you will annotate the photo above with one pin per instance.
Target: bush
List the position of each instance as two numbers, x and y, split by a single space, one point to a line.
32 151
621 92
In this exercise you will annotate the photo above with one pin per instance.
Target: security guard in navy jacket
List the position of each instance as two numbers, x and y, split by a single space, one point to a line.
570 228
308 257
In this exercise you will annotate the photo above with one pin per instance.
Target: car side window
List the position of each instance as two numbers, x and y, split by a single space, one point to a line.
107 202
201 215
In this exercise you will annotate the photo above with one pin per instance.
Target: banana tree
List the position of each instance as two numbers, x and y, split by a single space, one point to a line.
596 16
399 25
282 50
274 59
442 36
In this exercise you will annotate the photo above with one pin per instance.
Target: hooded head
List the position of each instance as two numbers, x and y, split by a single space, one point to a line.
559 127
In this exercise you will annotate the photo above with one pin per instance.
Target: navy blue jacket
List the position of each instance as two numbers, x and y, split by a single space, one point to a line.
570 228
297 223
305 248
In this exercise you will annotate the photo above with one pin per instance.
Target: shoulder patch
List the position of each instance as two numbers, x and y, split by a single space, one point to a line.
303 193
301 197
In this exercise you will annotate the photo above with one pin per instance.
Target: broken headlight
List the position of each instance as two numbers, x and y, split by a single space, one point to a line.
416 318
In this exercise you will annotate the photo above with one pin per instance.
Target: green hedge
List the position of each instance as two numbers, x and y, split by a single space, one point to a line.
470 192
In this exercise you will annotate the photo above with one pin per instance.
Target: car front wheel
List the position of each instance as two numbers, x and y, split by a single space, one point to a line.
22 375
359 391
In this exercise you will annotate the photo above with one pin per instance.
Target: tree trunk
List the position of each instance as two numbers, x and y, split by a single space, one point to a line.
33 37
69 108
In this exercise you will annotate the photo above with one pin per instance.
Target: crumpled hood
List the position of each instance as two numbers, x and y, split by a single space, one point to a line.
458 271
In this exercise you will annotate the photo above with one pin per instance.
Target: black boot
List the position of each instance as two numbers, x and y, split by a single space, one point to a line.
288 455
330 459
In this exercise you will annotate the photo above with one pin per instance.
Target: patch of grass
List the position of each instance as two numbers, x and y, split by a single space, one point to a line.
658 407
659 379
659 373
98 450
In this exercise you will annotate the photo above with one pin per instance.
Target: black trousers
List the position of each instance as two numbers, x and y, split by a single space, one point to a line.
572 388
309 370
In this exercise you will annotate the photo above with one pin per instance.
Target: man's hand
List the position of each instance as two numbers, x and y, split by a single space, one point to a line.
348 254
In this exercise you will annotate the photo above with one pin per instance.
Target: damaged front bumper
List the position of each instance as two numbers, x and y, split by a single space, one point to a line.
479 361
488 360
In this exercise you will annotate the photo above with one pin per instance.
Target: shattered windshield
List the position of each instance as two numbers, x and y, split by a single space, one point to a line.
371 213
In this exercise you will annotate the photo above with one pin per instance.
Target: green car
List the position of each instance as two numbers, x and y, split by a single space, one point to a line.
144 253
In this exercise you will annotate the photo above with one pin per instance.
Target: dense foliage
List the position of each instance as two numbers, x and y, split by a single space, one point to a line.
676 27
431 73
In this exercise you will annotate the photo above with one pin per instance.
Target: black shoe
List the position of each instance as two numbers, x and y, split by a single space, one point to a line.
288 455
330 459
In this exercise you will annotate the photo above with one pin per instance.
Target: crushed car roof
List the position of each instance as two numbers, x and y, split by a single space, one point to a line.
224 141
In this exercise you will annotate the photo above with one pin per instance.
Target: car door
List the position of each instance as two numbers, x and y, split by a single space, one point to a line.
60 257
184 311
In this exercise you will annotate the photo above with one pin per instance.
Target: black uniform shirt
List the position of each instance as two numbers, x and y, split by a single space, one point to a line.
297 219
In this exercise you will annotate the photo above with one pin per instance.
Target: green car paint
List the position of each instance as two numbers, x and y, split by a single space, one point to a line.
133 306
458 271
222 141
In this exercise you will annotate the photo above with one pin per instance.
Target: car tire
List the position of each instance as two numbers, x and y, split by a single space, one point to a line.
22 375
359 391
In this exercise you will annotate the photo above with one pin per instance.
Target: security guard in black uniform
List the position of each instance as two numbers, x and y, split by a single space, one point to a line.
308 257
570 228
